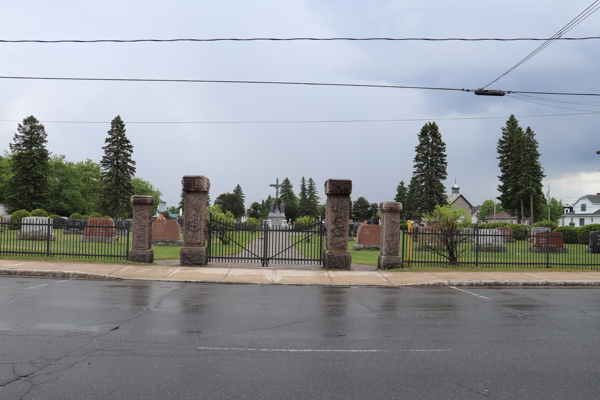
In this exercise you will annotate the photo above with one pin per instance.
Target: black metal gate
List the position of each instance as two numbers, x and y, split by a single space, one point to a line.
234 242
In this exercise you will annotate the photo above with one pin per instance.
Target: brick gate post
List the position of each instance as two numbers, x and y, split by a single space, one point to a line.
141 244
390 235
195 188
337 255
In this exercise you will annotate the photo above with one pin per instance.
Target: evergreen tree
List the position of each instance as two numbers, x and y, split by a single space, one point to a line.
230 202
241 198
429 170
118 169
255 210
313 197
520 171
304 206
401 194
240 194
29 187
289 199
410 209
361 210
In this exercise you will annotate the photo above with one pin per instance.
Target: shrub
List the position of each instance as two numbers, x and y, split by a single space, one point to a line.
570 233
251 223
584 232
519 230
304 222
403 226
96 215
107 216
38 212
16 218
75 216
546 224
53 216
494 225
86 217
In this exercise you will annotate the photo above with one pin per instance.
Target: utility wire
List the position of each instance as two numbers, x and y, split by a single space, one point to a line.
549 105
302 121
297 39
283 83
574 22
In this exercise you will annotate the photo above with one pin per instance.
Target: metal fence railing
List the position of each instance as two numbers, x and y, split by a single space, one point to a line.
72 238
500 249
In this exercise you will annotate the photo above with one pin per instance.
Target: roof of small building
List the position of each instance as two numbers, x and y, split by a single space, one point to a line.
594 198
455 196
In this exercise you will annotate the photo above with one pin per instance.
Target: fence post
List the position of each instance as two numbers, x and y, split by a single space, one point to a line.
141 246
476 231
390 235
48 238
337 255
195 189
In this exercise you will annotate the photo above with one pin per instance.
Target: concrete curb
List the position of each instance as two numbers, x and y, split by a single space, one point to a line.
473 283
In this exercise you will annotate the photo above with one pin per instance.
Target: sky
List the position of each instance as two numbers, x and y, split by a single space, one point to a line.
251 134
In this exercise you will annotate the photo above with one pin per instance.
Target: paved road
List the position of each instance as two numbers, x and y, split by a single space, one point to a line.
155 340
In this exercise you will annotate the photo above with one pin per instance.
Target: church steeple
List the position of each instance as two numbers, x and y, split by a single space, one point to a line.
455 188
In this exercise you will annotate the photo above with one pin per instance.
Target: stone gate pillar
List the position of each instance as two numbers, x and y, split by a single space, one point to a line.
195 188
390 235
337 255
141 244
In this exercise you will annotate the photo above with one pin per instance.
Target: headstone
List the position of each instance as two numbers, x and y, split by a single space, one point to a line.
508 234
1 222
489 240
166 232
59 223
123 226
99 230
537 229
594 242
74 227
469 235
549 242
368 237
36 228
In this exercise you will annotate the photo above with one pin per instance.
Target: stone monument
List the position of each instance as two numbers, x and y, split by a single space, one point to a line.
548 242
74 227
277 215
36 228
337 255
195 189
368 237
166 232
141 243
489 240
390 235
594 242
101 230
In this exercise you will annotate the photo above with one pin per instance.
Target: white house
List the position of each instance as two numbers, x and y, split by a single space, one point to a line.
586 210
3 209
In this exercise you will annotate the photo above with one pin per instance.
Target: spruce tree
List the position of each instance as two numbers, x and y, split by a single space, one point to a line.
313 197
240 195
118 169
29 187
430 170
409 208
401 193
304 206
521 174
289 199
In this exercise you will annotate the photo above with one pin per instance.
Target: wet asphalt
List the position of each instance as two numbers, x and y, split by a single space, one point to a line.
74 339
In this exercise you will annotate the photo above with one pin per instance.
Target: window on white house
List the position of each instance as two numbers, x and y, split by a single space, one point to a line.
583 207
581 221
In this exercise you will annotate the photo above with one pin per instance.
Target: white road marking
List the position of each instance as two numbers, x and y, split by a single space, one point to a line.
317 350
474 294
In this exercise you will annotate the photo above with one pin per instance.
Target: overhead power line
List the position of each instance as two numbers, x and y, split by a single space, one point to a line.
574 22
298 39
289 83
303 121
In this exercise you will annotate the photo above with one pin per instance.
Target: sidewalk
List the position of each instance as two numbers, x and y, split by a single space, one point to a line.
232 275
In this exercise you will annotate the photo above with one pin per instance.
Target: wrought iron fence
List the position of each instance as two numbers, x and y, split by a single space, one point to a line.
70 239
500 249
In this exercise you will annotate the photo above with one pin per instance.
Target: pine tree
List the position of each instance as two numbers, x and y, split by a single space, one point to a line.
29 187
289 199
304 206
118 169
240 195
430 170
361 210
401 193
313 197
410 212
520 171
